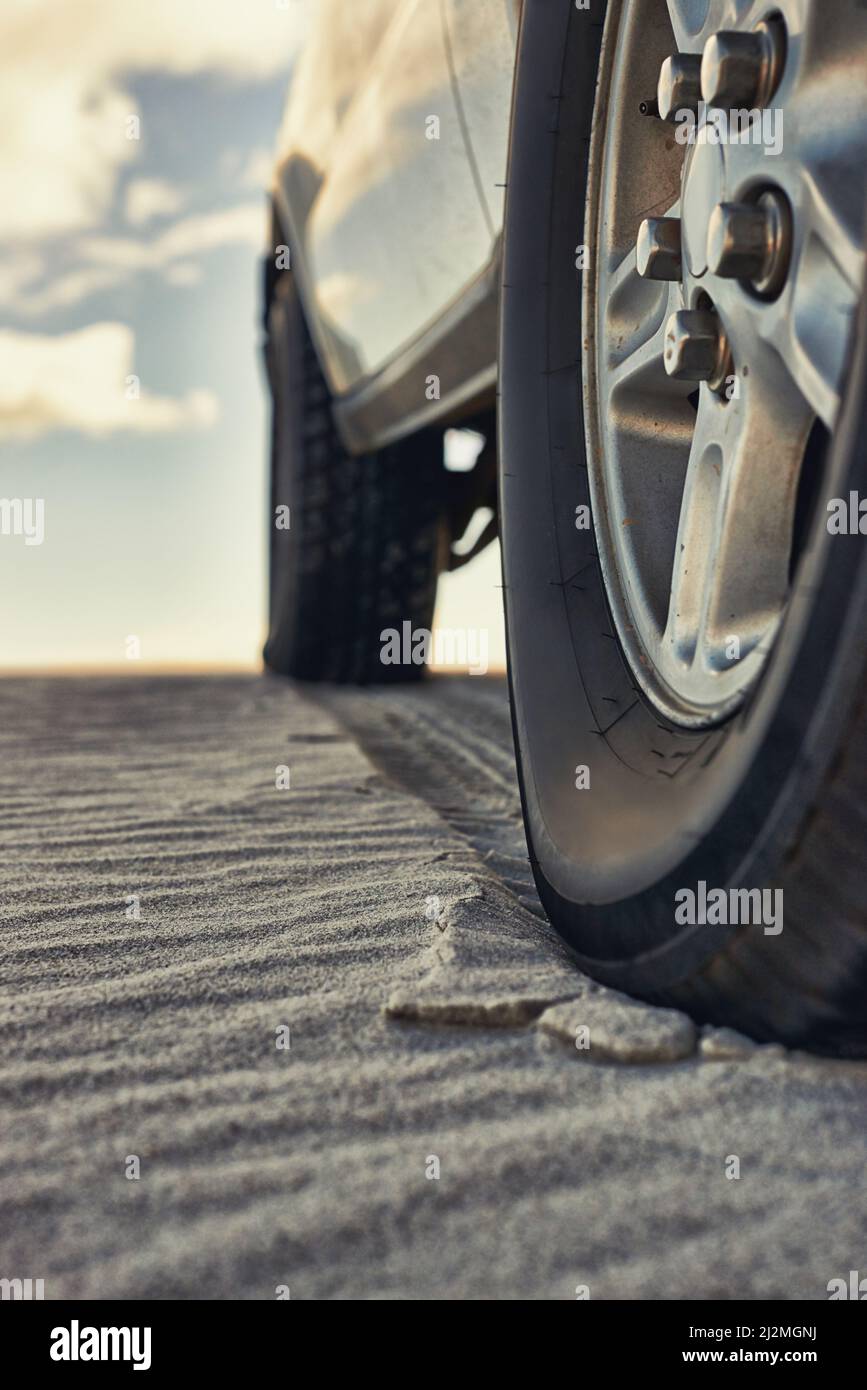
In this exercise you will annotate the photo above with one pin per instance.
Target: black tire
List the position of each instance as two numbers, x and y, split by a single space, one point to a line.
365 542
772 799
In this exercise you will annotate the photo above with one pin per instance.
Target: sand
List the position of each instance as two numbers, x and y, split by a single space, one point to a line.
381 909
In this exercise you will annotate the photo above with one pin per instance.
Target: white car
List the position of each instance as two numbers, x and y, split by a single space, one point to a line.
625 242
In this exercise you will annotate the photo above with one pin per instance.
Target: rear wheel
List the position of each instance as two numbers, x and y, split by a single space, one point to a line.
356 543
686 638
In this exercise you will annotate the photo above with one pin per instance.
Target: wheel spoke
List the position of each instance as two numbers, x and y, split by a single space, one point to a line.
815 339
731 570
636 313
637 360
690 576
827 276
690 19
755 522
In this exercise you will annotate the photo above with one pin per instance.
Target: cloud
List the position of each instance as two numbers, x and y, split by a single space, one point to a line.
63 104
37 296
62 149
84 381
104 261
258 169
184 274
243 224
245 168
149 198
16 272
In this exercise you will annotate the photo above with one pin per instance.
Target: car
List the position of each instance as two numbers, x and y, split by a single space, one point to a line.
624 242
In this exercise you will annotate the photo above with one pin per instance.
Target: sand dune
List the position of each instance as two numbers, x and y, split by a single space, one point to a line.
382 909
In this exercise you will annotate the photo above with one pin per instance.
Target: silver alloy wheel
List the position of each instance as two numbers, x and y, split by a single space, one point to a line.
720 293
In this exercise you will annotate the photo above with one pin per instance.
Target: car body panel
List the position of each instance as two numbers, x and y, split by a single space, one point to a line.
395 232
482 38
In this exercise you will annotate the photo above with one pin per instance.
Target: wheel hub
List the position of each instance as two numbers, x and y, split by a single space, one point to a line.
703 189
725 269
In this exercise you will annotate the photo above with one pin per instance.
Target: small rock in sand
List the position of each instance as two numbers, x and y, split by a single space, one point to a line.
620 1030
725 1045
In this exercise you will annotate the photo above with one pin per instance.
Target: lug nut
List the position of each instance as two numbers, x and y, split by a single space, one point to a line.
751 242
658 252
743 70
679 85
695 347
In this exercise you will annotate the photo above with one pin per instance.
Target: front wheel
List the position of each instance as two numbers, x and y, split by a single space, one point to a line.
682 419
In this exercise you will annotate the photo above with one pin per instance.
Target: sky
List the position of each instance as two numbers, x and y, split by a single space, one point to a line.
135 157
